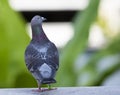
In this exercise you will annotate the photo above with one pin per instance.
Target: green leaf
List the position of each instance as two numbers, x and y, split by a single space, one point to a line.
66 75
13 41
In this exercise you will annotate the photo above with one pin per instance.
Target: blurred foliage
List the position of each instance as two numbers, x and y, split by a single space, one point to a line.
77 45
67 75
104 23
14 39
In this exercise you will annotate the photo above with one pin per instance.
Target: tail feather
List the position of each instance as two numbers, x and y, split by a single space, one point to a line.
48 81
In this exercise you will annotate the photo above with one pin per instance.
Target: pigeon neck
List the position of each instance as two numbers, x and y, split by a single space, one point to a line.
38 33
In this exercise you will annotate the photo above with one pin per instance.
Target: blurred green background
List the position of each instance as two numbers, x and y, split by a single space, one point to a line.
72 72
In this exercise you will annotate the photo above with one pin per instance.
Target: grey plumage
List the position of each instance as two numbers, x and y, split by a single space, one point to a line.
41 55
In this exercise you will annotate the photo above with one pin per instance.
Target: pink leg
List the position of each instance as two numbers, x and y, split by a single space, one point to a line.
39 88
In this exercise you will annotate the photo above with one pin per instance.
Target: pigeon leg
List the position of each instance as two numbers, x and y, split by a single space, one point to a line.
49 87
39 88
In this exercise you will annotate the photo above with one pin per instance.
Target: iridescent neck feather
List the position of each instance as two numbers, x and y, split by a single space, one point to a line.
38 33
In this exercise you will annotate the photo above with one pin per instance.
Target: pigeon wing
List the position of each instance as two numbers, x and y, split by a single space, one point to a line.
32 58
52 57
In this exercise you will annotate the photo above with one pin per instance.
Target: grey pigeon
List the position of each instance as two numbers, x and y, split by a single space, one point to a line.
41 55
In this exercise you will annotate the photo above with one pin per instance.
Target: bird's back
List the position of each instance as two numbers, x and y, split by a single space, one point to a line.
42 61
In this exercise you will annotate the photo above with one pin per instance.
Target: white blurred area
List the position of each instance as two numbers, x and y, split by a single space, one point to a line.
42 5
96 38
110 12
61 33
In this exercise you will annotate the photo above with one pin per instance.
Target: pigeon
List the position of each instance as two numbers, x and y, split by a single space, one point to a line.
41 55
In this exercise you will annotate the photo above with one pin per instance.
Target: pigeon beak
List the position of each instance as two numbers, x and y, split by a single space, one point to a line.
43 19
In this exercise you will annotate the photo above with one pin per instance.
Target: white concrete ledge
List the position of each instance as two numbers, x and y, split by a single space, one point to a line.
64 91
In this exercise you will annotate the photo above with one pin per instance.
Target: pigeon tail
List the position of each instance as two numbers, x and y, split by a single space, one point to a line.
48 81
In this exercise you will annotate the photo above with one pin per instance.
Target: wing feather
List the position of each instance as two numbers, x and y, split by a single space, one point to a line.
34 57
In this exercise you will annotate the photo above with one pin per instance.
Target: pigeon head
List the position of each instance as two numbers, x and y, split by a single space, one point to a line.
36 26
37 20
